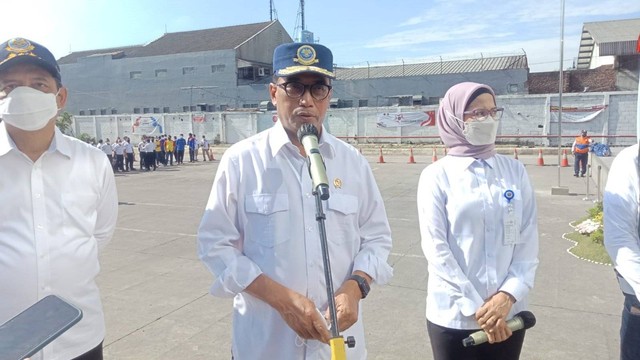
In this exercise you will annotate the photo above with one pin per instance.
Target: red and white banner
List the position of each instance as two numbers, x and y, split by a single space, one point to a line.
418 118
576 114
198 118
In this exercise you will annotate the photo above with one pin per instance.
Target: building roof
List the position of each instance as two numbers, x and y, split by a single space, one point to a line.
434 68
223 38
614 37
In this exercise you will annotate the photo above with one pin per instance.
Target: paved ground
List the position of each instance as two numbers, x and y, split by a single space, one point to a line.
155 290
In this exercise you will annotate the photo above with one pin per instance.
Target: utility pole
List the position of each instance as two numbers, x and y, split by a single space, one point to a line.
302 14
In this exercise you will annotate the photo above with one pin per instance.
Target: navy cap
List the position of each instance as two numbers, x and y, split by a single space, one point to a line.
20 50
295 58
584 132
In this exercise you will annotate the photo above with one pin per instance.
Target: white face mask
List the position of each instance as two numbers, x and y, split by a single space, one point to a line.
28 109
481 132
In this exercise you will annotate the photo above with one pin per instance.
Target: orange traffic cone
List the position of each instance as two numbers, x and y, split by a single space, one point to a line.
515 153
381 158
540 159
434 157
411 159
565 161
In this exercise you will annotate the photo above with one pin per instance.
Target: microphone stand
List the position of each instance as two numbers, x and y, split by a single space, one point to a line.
336 342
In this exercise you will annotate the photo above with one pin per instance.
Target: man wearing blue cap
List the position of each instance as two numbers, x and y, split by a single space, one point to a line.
59 201
259 235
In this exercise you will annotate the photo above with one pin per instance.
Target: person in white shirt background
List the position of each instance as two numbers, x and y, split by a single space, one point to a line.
621 239
478 223
59 202
259 235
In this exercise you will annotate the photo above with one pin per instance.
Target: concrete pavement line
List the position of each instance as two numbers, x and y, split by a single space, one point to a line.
407 255
160 317
163 205
155 232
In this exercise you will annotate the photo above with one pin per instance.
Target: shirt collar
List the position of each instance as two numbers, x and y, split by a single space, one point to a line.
58 143
462 163
278 139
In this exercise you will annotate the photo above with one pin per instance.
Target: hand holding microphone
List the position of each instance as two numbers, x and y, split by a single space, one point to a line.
308 136
522 320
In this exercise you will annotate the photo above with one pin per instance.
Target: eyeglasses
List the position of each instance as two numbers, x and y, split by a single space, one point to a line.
482 114
296 90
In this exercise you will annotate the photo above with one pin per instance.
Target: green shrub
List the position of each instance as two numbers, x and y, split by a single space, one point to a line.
597 236
596 211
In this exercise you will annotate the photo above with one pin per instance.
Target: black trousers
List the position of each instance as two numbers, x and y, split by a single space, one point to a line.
93 354
447 345
128 164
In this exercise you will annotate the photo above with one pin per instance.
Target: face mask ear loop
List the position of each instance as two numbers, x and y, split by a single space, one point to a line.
459 122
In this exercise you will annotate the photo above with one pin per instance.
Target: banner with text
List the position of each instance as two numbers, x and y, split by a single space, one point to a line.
418 118
573 114
145 125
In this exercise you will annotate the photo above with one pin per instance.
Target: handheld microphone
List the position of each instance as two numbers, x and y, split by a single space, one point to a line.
308 136
522 320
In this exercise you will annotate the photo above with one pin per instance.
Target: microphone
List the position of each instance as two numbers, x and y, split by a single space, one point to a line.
522 320
308 136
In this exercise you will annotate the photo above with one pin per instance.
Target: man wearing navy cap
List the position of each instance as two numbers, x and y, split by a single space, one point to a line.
259 235
59 201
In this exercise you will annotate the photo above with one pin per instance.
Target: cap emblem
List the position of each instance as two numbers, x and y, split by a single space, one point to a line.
306 55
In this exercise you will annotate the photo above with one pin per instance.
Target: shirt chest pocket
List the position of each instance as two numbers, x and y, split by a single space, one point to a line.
79 213
342 218
267 219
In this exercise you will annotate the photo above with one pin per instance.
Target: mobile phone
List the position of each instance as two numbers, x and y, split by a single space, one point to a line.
34 328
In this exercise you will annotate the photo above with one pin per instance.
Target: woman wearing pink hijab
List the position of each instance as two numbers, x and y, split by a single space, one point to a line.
478 222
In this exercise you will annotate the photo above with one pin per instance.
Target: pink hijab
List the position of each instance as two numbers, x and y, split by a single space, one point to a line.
454 102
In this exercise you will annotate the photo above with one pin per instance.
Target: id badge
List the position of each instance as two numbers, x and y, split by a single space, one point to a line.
511 231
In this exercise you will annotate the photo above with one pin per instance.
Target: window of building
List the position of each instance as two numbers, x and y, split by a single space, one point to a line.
161 73
211 108
185 108
81 112
156 110
363 103
135 74
114 111
513 88
92 112
224 107
136 110
103 111
145 110
194 108
347 103
245 73
217 68
166 109
188 70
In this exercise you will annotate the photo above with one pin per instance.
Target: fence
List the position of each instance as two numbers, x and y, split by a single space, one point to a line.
528 120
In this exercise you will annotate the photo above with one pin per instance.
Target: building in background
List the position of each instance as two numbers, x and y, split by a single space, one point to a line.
203 70
229 68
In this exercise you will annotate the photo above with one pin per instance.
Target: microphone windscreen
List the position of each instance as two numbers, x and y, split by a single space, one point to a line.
528 318
307 129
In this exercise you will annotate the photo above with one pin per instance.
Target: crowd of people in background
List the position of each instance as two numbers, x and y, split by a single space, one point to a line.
154 151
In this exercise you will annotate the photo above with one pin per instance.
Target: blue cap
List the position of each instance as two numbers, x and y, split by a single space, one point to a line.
295 58
20 50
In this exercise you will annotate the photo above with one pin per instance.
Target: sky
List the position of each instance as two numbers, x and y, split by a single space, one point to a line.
359 32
